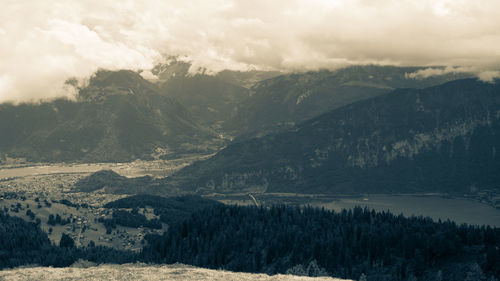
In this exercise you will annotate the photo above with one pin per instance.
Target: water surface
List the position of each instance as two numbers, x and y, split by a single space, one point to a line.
455 209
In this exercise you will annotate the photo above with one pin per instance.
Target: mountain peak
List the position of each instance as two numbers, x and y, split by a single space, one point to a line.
105 83
122 78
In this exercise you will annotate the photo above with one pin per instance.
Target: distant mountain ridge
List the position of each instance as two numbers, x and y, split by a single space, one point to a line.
256 103
281 102
211 99
175 68
119 116
439 139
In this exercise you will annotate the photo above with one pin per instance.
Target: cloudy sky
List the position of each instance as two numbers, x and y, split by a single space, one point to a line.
44 42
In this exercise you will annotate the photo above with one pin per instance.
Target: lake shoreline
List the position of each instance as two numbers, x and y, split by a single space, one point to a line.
437 206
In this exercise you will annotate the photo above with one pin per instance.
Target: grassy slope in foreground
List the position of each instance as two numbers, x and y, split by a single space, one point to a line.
142 272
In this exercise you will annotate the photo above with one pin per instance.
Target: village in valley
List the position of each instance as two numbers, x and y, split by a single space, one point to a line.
51 201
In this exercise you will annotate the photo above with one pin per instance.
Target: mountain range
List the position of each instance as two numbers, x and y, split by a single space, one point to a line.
212 100
444 138
119 116
281 102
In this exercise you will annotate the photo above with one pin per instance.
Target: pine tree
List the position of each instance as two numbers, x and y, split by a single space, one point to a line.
66 241
475 273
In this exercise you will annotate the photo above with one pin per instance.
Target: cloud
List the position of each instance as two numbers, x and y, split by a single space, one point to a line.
483 75
44 42
489 76
148 75
438 71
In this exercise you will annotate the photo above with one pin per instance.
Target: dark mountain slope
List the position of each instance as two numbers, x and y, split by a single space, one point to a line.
443 138
211 99
286 100
20 241
118 117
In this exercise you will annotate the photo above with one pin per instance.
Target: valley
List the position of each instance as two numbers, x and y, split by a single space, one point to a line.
40 188
137 168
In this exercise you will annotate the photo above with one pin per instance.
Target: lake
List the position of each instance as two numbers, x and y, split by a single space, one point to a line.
455 209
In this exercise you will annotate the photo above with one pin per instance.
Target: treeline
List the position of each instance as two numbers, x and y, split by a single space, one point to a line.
23 243
129 219
20 241
357 243
347 244
171 210
53 220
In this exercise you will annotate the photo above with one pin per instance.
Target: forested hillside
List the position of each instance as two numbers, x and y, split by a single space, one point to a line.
348 244
281 102
284 239
439 139
23 243
171 210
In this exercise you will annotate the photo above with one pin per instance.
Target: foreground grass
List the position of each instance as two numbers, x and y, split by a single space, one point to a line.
139 271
